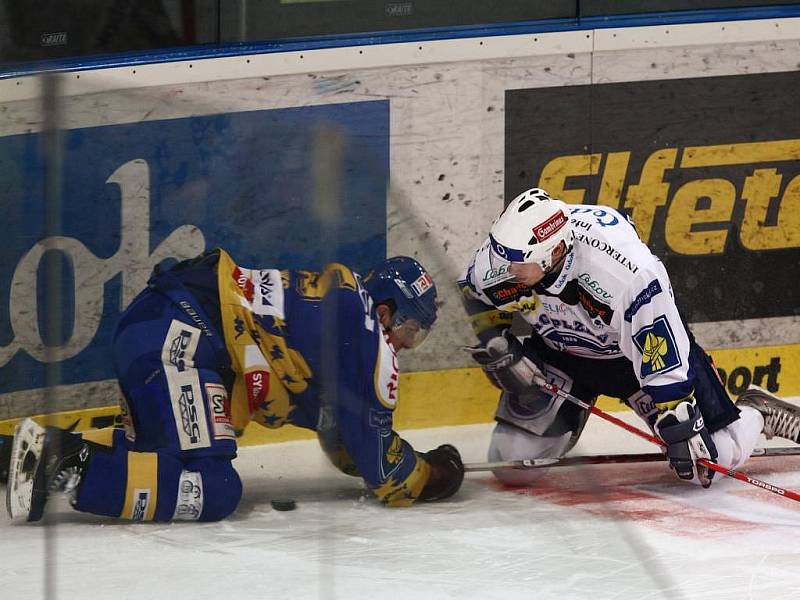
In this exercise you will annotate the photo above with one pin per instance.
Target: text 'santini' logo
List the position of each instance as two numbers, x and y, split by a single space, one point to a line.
53 39
399 9
544 230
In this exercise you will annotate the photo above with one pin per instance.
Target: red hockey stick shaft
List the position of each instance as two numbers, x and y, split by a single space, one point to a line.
651 438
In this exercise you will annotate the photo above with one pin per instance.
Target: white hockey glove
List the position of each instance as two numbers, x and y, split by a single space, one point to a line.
688 440
504 362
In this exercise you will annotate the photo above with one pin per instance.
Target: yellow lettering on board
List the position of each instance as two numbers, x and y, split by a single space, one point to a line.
680 231
614 173
651 191
741 154
555 173
759 191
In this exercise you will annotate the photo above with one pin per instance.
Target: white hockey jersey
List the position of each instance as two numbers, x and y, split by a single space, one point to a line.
612 298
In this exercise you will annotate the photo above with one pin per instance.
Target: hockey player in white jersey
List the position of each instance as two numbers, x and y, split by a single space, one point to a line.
604 321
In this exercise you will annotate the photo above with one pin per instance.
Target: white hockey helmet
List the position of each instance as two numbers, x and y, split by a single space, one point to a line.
530 228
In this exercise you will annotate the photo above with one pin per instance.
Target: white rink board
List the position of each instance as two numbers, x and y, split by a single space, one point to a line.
446 128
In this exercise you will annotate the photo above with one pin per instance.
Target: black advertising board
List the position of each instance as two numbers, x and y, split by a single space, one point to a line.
709 169
56 29
279 19
593 8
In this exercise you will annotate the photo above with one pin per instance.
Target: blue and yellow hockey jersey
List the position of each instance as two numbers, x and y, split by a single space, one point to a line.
306 348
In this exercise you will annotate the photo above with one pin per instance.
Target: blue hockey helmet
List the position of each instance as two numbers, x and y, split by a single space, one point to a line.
409 287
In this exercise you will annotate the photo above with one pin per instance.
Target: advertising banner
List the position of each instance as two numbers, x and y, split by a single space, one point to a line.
709 169
256 183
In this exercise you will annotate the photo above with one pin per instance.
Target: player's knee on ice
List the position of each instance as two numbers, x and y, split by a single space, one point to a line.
511 443
219 493
735 442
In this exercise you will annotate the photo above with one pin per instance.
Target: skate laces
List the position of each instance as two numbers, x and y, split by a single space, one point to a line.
67 481
781 422
67 478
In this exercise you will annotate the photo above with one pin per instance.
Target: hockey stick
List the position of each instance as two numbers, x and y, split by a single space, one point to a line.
524 463
651 438
604 459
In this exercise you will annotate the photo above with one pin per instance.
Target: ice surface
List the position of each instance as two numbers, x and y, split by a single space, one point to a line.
600 532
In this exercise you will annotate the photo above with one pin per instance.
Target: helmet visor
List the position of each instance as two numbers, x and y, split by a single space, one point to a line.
408 331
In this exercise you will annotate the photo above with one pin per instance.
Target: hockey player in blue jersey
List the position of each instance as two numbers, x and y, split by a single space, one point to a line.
604 321
210 346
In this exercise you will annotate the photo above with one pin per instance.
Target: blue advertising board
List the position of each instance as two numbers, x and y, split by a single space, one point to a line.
286 188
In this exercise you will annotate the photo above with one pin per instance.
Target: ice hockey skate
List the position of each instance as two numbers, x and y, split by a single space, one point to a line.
43 461
5 456
781 418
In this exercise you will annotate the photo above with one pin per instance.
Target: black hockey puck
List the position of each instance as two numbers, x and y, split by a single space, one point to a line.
283 504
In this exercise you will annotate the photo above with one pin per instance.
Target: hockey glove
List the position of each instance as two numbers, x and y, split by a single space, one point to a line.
447 473
688 440
504 362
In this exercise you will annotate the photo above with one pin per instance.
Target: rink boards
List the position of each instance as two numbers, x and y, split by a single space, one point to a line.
465 396
693 128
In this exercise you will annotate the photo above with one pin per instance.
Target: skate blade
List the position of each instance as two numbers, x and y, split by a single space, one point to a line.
757 391
760 390
26 452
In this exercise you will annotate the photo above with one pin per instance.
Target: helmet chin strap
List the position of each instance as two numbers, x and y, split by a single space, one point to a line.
388 328
551 274
557 266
